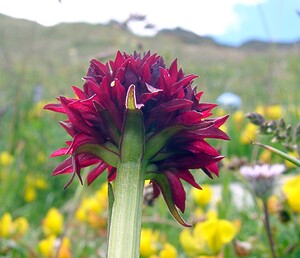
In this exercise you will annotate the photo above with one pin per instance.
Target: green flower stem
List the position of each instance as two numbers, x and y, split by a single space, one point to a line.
126 217
280 153
125 227
268 229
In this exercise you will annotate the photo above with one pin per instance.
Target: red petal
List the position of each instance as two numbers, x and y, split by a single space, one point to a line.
93 174
202 146
80 93
161 183
214 168
79 140
63 168
173 70
191 161
68 127
55 107
119 93
112 173
182 83
76 118
156 189
176 104
210 132
146 75
98 68
199 95
187 176
177 190
60 152
189 118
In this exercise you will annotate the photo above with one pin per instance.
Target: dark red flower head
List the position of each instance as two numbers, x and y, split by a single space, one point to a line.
176 124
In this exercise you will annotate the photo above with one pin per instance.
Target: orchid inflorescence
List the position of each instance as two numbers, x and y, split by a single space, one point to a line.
175 124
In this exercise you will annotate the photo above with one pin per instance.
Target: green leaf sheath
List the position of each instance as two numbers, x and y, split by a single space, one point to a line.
125 226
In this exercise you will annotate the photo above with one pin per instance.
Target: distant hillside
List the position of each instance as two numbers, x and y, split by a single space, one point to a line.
188 36
58 56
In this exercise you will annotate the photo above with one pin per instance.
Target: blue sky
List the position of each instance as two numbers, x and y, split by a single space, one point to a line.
273 20
227 21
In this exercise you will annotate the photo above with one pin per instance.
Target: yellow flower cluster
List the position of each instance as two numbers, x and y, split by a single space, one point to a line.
12 229
92 209
271 112
53 222
202 197
248 135
54 245
209 236
238 117
32 185
250 131
152 245
6 158
291 190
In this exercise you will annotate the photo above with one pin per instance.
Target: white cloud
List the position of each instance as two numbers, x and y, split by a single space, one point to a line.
204 17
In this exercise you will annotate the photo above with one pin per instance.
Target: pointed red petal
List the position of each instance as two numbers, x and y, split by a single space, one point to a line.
93 174
177 190
55 108
161 183
187 176
182 83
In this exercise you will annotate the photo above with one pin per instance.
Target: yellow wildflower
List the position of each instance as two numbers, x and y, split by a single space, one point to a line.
21 225
202 197
6 225
193 246
6 158
31 186
248 134
265 156
198 212
211 214
149 242
12 229
48 247
208 237
168 251
92 209
260 110
30 193
216 232
291 190
45 246
274 112
40 183
101 196
238 116
53 222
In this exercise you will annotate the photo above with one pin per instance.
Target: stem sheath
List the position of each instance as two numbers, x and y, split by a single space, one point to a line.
126 217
